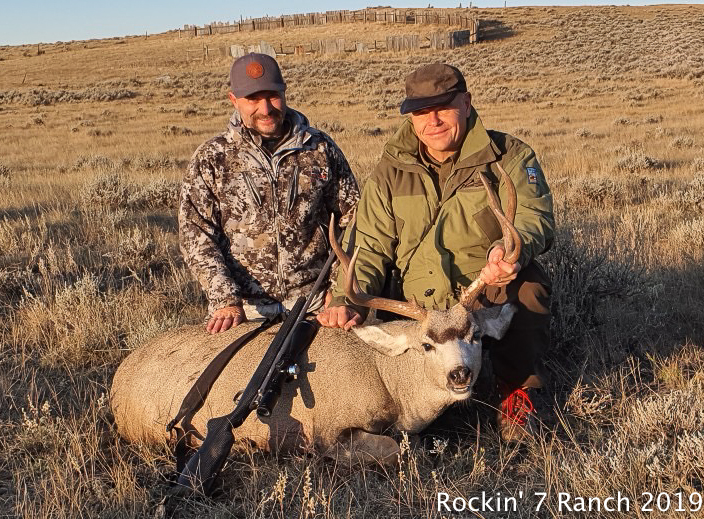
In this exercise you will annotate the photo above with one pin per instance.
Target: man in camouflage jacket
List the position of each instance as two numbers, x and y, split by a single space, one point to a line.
424 211
256 201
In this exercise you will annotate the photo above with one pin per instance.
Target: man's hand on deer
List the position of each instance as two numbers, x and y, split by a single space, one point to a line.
225 318
339 316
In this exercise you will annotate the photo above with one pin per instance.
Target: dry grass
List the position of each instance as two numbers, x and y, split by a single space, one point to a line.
95 138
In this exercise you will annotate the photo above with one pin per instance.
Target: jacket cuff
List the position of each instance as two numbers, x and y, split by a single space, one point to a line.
213 306
222 291
343 301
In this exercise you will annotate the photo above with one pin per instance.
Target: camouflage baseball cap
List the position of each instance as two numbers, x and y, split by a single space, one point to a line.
255 72
432 85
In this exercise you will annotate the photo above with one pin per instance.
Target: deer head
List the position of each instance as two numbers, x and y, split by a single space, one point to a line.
449 340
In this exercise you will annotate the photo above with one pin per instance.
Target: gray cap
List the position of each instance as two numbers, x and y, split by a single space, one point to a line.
255 72
432 85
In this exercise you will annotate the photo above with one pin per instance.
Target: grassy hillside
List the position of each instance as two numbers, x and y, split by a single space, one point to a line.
95 136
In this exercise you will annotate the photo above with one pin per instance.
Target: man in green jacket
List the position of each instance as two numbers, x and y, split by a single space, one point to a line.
424 212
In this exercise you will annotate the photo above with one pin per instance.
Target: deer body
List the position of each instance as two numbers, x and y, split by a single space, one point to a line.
346 385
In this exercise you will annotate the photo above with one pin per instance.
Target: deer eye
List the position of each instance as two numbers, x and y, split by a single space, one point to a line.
477 336
428 347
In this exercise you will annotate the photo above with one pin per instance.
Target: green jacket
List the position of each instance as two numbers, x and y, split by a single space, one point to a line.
400 205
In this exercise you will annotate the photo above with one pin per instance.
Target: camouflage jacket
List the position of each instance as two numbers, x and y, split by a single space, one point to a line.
253 223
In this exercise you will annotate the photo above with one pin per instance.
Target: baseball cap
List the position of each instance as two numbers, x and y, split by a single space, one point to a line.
432 85
255 72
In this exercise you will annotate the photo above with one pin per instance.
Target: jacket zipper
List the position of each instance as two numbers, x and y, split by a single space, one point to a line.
272 174
252 188
292 191
276 159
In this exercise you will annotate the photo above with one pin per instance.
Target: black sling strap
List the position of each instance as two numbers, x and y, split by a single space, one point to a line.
199 392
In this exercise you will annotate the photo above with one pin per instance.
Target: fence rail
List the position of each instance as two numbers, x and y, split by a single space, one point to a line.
395 43
463 19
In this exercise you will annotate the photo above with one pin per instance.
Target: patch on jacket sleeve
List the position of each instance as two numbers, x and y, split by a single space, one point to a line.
319 173
532 175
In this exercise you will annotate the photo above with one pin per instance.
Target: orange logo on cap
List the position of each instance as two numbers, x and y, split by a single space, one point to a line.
255 70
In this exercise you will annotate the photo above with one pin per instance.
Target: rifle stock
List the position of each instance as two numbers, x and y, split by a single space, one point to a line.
201 470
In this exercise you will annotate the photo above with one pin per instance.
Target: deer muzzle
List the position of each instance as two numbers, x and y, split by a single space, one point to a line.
459 379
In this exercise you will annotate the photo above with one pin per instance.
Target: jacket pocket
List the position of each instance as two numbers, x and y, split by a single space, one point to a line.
252 189
292 191
309 182
488 224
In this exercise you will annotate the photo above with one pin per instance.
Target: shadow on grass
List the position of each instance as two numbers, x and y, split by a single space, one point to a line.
16 213
165 222
494 30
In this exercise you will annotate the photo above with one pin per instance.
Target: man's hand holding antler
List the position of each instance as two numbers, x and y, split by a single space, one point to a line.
497 272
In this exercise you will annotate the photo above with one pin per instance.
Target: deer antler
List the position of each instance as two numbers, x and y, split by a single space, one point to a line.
354 292
512 240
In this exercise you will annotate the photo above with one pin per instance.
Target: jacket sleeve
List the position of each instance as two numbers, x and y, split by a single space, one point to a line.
342 192
375 235
534 221
201 237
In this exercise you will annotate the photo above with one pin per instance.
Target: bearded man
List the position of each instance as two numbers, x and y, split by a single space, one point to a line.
256 202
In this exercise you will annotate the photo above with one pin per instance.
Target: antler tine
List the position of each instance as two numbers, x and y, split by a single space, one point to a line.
513 252
354 292
512 240
341 255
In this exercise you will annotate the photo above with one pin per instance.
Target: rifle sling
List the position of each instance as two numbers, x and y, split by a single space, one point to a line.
196 396
193 475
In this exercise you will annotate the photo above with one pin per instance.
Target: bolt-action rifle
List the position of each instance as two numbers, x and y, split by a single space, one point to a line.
261 393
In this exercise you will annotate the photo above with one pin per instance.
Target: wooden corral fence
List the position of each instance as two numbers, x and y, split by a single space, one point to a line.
462 18
397 43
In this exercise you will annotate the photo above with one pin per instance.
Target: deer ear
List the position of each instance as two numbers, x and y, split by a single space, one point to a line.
494 321
383 341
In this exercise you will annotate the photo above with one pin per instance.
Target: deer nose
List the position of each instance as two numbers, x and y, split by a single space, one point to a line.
460 376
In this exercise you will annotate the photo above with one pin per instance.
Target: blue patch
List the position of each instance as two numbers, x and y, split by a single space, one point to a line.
532 175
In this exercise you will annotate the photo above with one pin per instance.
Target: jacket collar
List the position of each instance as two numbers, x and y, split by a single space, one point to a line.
477 147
